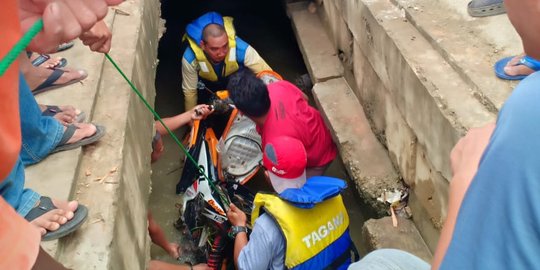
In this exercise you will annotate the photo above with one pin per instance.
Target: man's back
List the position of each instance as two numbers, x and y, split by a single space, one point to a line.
291 115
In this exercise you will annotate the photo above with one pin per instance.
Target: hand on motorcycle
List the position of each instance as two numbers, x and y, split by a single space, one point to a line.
236 216
201 111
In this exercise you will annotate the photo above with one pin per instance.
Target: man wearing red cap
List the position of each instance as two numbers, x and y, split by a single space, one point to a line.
304 226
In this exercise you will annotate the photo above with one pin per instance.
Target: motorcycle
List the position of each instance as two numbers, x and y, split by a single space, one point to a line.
225 159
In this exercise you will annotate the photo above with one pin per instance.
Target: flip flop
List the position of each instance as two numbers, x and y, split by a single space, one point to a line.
70 130
483 8
46 205
42 58
52 110
49 83
526 61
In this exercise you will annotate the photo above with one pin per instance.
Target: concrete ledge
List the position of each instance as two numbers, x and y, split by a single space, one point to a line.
470 45
366 160
112 177
379 233
319 54
417 102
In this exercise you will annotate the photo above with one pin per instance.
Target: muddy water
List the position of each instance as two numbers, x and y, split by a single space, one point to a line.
269 32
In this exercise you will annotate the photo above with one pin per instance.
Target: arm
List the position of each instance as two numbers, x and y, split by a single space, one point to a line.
265 246
189 84
465 158
238 218
175 122
240 242
254 61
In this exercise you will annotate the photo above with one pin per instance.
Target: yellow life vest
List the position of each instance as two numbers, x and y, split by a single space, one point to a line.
207 71
307 231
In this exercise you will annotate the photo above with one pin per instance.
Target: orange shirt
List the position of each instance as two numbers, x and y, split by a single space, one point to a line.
19 241
10 130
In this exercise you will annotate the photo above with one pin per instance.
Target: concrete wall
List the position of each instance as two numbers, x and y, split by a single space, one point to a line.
112 178
418 106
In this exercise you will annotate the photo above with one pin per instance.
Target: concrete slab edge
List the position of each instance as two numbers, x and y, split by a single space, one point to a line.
380 233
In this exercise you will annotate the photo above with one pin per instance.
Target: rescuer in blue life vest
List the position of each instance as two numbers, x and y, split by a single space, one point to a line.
214 53
304 226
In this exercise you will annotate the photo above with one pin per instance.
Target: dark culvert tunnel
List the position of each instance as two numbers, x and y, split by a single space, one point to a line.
266 27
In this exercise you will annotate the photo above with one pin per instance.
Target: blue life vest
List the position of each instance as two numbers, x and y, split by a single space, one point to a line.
214 75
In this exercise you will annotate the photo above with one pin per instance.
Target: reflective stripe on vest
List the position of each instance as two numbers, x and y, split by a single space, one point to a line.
207 71
307 232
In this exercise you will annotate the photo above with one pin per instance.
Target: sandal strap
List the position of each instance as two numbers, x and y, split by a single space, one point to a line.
55 75
530 62
42 58
45 205
70 130
51 110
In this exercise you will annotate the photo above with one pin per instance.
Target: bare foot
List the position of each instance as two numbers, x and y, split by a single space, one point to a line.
35 79
513 69
35 76
84 130
67 115
173 250
52 220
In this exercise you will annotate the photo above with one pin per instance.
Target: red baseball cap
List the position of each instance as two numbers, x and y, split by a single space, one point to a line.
285 159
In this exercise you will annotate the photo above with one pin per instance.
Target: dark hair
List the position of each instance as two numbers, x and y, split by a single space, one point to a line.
249 93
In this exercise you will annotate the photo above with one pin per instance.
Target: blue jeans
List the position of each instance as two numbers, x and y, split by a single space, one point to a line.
13 191
390 259
40 134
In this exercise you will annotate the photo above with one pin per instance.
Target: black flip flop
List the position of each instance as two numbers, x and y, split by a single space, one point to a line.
49 83
46 205
70 130
42 58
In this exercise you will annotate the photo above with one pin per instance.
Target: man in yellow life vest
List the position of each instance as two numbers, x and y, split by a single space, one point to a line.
214 53
304 226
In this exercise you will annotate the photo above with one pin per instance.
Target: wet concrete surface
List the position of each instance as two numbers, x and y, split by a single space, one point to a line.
269 32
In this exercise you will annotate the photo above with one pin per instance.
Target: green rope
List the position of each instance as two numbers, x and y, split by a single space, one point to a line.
176 140
20 46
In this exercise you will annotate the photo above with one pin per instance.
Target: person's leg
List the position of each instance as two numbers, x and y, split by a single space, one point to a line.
23 200
40 134
35 76
158 237
13 191
389 259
